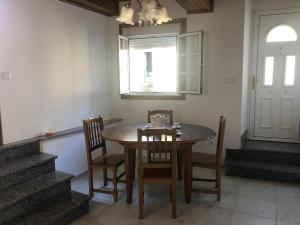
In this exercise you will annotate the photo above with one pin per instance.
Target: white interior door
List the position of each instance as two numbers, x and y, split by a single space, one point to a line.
277 93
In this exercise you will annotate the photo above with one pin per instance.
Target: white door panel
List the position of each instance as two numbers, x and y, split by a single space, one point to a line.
277 103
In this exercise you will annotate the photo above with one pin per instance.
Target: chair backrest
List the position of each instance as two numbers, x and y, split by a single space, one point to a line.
93 136
161 145
168 113
220 143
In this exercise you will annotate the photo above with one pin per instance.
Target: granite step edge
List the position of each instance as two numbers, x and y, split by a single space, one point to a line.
13 195
19 149
267 151
264 166
27 174
283 158
60 213
20 164
262 171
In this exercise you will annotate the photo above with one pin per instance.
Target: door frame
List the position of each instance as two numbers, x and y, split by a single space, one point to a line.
253 71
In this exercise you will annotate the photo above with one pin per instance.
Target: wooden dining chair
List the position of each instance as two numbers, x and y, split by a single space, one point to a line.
95 142
211 161
169 114
162 167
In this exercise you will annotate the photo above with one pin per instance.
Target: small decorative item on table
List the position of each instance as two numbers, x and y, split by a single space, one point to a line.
157 121
177 126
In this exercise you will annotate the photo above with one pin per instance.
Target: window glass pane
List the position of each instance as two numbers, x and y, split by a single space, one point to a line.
194 44
269 70
153 64
282 33
290 70
123 66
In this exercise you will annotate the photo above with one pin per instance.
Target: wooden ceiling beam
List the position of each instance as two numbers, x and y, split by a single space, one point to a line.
106 7
197 6
111 7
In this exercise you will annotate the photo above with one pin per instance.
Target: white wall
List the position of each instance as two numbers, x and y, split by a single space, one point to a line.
57 55
275 4
224 30
246 66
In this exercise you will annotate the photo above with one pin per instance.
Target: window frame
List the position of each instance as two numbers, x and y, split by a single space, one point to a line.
178 95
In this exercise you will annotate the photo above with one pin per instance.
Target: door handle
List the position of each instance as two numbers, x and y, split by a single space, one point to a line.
254 82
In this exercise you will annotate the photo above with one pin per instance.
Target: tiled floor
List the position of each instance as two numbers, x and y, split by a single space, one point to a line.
244 202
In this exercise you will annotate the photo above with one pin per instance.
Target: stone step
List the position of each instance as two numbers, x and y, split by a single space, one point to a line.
19 149
267 156
17 170
263 170
61 213
33 194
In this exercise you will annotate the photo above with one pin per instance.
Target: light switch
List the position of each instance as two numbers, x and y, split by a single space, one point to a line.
5 75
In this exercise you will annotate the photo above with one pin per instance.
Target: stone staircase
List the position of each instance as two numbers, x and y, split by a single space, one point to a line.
32 192
265 160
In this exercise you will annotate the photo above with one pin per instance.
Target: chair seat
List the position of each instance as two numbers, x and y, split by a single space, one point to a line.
108 160
204 160
159 174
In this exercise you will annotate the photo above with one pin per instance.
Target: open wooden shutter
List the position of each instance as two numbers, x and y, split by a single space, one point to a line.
123 65
190 63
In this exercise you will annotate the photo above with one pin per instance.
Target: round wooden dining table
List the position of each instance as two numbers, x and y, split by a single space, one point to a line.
126 135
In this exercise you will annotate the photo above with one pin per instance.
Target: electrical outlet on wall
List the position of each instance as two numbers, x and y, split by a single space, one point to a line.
5 75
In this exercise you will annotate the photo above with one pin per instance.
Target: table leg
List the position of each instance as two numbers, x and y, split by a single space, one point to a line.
127 174
179 161
129 171
132 162
188 173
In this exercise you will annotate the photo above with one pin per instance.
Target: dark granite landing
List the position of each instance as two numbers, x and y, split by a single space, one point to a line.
21 169
265 160
267 156
264 171
61 213
34 194
19 149
271 146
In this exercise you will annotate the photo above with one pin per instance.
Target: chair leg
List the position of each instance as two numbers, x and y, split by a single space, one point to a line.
105 177
170 192
115 182
179 164
91 183
173 186
149 156
218 183
141 201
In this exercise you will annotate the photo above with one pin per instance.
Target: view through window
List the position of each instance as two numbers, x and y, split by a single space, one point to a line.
152 64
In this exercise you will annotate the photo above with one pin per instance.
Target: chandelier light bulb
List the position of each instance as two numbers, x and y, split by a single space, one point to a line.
150 13
126 15
162 16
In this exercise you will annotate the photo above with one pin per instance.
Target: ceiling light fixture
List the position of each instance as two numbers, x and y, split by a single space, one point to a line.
151 12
